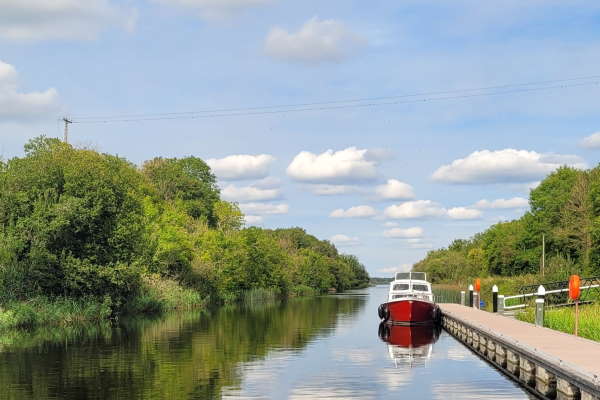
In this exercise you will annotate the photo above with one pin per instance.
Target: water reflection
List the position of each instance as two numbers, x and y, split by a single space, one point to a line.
411 345
182 356
310 348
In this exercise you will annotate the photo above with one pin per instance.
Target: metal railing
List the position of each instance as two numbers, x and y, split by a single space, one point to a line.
589 286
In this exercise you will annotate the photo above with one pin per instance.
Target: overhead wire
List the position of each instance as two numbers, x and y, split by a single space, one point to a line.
345 104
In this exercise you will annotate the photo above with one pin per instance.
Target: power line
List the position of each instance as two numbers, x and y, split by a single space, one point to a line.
345 104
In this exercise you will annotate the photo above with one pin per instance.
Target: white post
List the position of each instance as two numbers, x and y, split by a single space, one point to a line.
539 306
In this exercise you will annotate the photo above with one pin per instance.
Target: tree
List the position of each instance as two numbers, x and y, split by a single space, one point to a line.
188 180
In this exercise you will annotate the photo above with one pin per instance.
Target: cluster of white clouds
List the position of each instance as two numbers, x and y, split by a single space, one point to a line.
317 41
502 166
591 142
254 199
241 166
30 20
334 167
344 240
354 212
406 233
16 105
515 202
323 189
395 190
249 193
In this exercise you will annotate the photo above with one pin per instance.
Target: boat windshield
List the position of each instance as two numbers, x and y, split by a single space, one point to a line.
401 286
421 276
420 288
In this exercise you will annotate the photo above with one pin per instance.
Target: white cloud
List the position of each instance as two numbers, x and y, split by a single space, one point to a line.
317 41
15 105
348 165
393 270
61 19
344 240
249 193
253 219
415 209
390 224
592 141
354 212
395 190
408 233
241 166
508 165
264 208
464 213
515 202
217 9
332 190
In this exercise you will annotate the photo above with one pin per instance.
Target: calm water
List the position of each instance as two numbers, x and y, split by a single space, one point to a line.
326 348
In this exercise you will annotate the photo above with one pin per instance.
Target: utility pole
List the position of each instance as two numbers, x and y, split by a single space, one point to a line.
543 253
67 122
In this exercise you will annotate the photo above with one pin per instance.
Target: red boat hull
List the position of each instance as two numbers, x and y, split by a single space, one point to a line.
408 336
411 312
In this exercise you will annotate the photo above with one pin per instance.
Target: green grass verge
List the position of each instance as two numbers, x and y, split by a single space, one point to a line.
563 319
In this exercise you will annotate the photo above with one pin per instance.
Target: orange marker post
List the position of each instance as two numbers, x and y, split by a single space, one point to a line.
574 293
478 291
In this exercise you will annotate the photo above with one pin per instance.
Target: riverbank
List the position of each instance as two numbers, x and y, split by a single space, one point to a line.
563 319
560 319
86 236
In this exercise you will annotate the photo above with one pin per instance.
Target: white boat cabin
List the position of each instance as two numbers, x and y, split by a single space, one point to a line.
409 286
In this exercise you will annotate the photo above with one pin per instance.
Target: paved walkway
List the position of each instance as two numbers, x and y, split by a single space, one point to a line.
576 351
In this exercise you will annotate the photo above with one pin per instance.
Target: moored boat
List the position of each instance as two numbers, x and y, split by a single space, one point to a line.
410 301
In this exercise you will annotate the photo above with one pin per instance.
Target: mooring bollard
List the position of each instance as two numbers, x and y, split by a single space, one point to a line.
470 295
500 304
495 298
462 297
539 306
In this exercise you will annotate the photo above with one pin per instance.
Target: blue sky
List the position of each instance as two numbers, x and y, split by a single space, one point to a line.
386 182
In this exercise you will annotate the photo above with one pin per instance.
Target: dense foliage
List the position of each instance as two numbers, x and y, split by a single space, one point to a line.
565 208
75 223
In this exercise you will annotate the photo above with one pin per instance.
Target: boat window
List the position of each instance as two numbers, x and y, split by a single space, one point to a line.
401 286
397 296
420 288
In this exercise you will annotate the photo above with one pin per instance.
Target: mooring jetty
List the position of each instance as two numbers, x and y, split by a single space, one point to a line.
550 364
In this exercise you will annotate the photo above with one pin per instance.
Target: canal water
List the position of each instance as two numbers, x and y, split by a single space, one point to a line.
316 348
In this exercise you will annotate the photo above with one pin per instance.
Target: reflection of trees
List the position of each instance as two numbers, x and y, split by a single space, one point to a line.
182 356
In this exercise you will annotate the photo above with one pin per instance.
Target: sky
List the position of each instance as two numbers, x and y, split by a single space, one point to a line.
389 128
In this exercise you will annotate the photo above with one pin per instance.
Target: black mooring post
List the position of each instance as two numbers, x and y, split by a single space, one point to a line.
470 295
495 298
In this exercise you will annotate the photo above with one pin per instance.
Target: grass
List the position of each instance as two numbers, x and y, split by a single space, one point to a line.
563 319
43 311
156 296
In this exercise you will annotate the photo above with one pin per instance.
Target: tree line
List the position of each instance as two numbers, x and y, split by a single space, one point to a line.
564 211
76 223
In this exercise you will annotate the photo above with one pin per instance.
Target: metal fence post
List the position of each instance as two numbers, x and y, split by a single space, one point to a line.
470 295
539 306
500 304
462 297
495 298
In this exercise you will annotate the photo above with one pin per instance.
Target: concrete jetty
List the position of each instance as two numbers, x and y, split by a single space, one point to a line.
551 364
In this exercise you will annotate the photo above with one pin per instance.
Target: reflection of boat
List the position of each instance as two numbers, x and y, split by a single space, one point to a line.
409 343
410 301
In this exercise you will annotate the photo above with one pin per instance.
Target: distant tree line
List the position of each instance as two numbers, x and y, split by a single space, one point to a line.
564 208
78 223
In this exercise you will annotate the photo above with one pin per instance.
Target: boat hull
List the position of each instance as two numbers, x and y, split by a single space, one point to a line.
410 312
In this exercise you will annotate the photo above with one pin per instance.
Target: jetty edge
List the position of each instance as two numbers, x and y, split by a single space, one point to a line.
548 363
